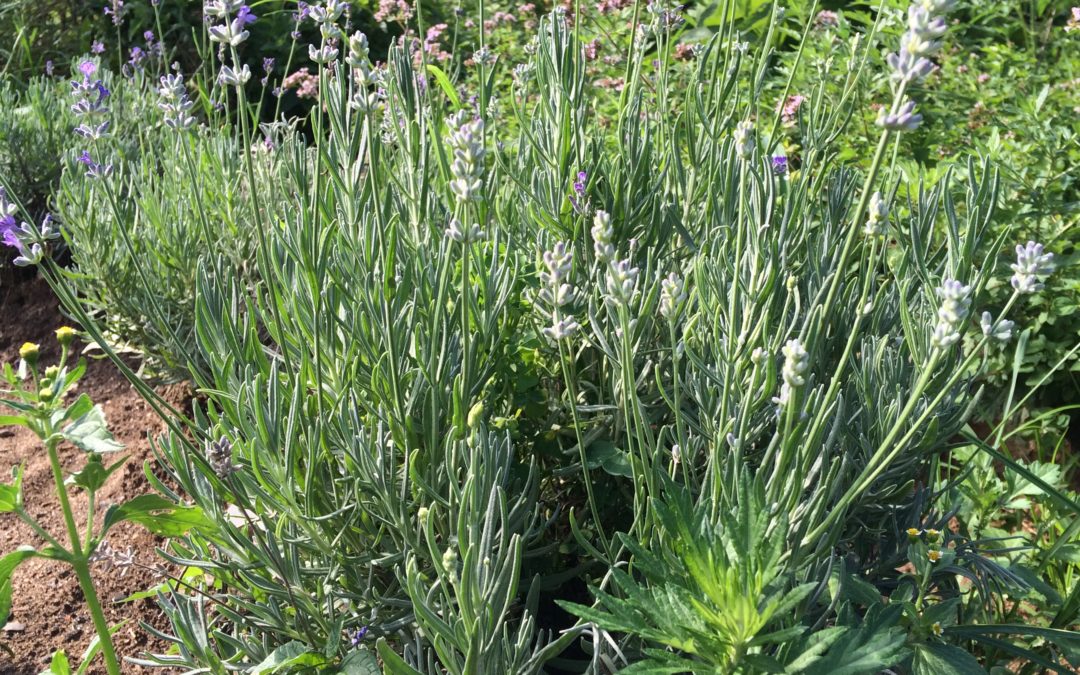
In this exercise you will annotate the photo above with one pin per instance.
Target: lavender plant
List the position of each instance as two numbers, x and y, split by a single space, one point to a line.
637 358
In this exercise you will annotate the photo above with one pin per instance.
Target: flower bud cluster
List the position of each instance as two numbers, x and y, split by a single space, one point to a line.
364 75
1001 331
219 455
557 292
235 16
30 241
1031 263
744 139
952 313
466 140
672 296
602 234
877 216
796 363
175 102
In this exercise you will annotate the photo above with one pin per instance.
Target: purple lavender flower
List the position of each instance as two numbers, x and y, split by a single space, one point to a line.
97 47
579 184
149 37
49 67
87 68
10 238
358 636
137 56
245 16
268 64
904 119
779 165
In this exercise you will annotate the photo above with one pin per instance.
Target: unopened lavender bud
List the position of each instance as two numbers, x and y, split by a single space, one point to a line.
1001 331
219 456
323 55
672 296
1031 263
796 362
234 78
449 561
464 234
876 216
744 139
904 119
621 281
602 237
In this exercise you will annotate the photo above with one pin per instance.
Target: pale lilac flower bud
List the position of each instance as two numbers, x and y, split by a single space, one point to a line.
952 313
1000 331
744 139
219 455
904 119
1031 263
561 328
672 296
462 234
621 281
324 54
231 33
796 362
358 50
876 216
602 234
234 78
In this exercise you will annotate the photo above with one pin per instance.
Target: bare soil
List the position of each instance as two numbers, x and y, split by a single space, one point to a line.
48 612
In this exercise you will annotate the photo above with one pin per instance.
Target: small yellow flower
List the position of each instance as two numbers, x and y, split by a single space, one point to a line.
936 629
29 352
933 535
934 556
65 334
913 533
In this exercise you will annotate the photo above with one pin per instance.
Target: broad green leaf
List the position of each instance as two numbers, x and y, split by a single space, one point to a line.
94 474
942 659
10 495
80 407
158 515
392 663
16 420
360 662
90 433
59 664
291 655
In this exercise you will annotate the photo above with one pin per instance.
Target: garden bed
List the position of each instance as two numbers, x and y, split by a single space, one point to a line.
48 611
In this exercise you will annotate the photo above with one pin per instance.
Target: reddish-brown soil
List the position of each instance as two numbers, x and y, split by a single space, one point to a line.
48 611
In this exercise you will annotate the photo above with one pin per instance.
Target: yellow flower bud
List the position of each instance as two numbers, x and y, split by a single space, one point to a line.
29 352
52 371
65 335
46 394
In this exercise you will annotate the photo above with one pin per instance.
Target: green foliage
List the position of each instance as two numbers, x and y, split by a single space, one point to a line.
486 345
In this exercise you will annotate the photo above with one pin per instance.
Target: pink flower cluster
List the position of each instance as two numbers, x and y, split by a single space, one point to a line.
433 42
789 109
304 82
826 19
610 6
399 11
1074 21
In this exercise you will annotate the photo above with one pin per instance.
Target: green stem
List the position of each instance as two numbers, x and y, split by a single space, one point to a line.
79 561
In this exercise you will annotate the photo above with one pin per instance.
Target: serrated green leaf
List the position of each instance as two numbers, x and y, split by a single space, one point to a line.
91 433
94 474
942 659
158 515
